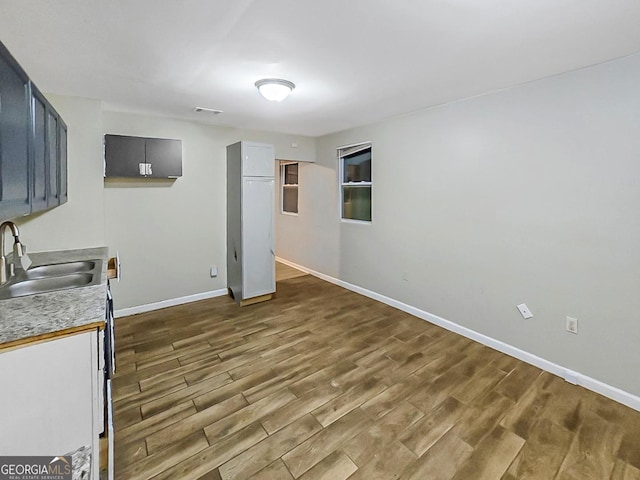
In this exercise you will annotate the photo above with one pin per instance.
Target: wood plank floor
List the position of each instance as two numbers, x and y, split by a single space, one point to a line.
322 383
285 272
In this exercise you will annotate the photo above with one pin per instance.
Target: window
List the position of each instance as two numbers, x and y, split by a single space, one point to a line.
289 181
355 179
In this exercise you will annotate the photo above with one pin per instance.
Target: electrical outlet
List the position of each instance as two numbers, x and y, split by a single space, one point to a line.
572 325
524 311
214 271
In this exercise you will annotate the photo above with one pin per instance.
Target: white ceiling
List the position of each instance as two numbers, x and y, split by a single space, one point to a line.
354 61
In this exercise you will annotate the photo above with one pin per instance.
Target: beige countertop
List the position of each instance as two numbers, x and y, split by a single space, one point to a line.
43 316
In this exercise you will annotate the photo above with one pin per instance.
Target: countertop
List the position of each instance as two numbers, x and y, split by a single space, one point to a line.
81 463
42 316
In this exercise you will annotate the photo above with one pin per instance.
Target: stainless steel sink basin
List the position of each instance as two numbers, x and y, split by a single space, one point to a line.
45 271
50 284
49 278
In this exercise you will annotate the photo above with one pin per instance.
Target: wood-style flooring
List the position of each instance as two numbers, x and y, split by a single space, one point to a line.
285 272
322 383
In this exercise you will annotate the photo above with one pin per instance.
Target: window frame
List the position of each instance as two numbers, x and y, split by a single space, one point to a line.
284 185
342 152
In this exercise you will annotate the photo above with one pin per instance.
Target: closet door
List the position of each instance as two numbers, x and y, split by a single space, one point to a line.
258 272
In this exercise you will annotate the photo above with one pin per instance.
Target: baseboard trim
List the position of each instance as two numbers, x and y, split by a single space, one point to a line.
570 376
124 312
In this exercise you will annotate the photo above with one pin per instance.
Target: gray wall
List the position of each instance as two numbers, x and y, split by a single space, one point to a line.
530 194
170 232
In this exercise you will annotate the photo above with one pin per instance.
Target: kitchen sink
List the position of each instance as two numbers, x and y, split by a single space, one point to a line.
53 277
45 271
50 284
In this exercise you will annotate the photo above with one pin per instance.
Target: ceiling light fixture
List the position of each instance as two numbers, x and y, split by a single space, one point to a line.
275 89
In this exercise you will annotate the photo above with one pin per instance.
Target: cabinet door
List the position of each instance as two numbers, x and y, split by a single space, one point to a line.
47 402
62 159
123 155
258 250
165 157
53 194
40 170
14 138
258 160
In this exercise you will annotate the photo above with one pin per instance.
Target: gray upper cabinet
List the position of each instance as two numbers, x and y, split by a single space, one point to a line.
62 160
165 157
53 149
122 155
137 157
39 152
14 138
48 154
33 145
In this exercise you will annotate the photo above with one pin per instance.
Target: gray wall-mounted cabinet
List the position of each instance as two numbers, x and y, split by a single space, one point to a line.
33 145
250 221
14 138
136 157
63 173
49 154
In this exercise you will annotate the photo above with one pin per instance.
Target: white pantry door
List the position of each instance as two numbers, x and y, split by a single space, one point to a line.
258 246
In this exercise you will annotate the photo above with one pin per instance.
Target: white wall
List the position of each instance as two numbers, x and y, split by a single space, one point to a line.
530 194
78 223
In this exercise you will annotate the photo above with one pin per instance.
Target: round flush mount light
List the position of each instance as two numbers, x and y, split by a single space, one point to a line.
275 89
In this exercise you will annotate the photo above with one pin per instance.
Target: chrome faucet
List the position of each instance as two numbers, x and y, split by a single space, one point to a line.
20 258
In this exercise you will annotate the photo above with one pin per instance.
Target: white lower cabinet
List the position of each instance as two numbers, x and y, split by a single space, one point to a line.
51 399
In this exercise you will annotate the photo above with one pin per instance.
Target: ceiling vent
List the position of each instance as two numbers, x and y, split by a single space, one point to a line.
207 110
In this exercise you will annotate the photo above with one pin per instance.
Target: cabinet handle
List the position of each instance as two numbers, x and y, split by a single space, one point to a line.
145 169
